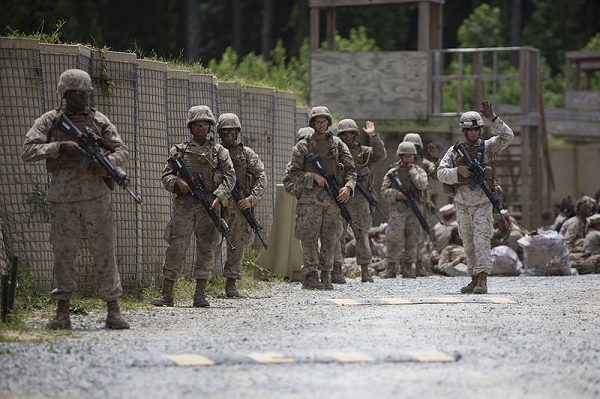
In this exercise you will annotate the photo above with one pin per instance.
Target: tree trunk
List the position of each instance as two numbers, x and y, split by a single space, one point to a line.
192 29
267 28
236 26
515 22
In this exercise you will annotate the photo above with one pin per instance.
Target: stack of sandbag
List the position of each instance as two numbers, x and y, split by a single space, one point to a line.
505 261
545 253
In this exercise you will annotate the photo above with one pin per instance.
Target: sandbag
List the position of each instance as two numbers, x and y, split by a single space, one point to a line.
545 253
505 261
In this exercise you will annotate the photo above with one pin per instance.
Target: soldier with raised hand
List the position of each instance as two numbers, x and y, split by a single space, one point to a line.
473 207
401 238
212 161
317 214
364 156
251 178
79 199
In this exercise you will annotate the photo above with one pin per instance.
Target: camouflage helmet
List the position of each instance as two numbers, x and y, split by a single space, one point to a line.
470 119
319 111
200 113
414 138
304 132
347 125
229 121
406 147
74 79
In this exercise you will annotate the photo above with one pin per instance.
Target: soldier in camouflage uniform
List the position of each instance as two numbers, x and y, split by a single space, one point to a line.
401 238
317 215
363 156
473 208
574 229
251 177
212 161
423 263
79 201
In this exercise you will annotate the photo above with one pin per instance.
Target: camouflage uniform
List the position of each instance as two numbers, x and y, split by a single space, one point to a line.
317 215
401 238
448 256
473 208
588 261
360 211
250 175
80 200
213 163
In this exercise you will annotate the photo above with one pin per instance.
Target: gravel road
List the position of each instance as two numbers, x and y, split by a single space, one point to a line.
545 345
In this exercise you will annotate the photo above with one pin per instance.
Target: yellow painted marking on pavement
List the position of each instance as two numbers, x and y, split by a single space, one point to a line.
431 357
190 360
397 301
443 299
350 357
502 300
345 302
270 357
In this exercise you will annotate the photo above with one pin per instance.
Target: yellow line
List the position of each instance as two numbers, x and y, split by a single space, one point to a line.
397 301
350 357
270 357
190 360
443 299
502 300
431 357
345 302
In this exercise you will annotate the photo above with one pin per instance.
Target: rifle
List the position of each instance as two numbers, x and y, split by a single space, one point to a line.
370 199
333 188
199 189
478 174
238 195
412 203
88 141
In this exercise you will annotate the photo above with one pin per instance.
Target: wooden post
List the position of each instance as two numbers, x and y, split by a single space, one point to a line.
331 28
479 84
314 29
424 35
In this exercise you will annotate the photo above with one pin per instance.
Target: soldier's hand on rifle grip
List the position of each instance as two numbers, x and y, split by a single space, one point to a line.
463 171
321 181
216 205
400 196
486 110
182 186
71 149
244 204
344 194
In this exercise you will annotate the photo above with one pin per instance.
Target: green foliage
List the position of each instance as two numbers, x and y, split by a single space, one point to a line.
356 42
52 38
483 28
593 43
38 200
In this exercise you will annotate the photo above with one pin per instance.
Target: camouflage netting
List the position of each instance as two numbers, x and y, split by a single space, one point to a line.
148 104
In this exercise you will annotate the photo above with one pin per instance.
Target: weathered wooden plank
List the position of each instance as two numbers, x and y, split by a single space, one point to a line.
379 85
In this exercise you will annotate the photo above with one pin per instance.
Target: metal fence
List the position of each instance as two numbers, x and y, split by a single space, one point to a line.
148 103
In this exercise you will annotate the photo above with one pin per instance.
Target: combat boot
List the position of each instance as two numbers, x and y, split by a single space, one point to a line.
407 271
467 289
421 272
114 320
200 300
337 276
311 282
481 287
365 276
230 289
326 279
166 297
390 270
61 320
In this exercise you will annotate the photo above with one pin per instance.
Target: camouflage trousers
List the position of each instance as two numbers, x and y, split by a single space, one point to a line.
68 221
314 224
585 263
240 235
402 237
188 218
361 215
476 227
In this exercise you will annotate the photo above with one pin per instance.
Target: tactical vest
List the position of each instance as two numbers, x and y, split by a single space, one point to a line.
240 160
58 133
204 161
476 152
328 151
407 181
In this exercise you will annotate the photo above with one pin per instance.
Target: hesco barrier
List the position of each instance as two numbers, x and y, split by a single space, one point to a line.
148 104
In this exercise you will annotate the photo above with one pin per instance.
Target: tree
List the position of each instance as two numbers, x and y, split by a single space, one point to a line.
483 28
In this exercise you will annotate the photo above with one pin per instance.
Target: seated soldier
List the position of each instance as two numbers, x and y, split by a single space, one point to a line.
508 236
588 261
574 229
453 260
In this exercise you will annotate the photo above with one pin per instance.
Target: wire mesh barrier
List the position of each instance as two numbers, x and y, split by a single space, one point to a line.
148 104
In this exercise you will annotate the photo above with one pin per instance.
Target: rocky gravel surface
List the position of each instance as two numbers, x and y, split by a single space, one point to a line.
546 345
